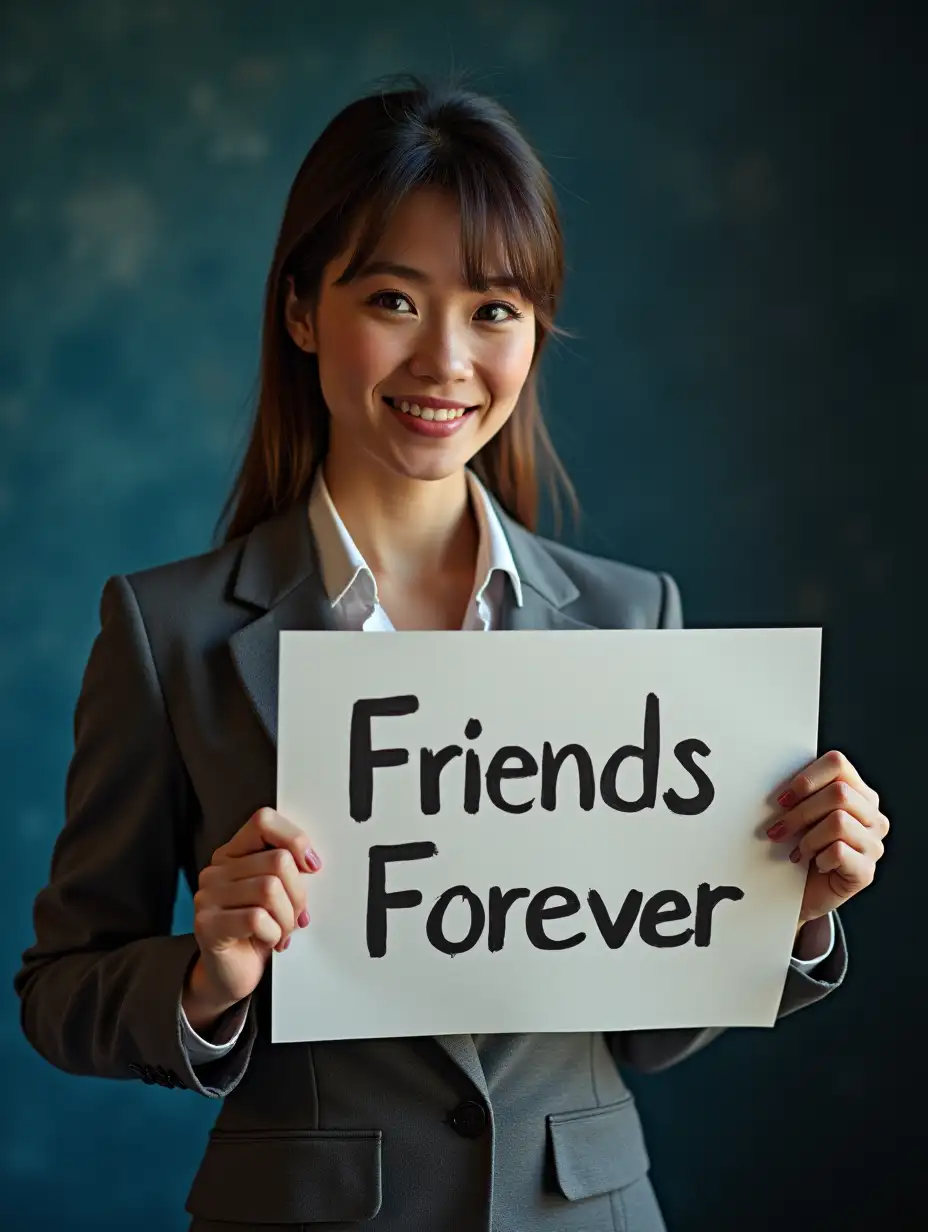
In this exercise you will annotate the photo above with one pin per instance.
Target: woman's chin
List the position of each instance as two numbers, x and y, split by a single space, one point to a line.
428 465
427 459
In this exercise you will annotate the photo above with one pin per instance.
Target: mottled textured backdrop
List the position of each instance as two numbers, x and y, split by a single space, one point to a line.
743 405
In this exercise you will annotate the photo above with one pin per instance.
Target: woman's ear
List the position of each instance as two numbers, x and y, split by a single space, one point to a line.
299 320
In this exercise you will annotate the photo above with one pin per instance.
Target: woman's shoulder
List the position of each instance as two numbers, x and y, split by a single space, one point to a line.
200 598
204 575
615 594
186 601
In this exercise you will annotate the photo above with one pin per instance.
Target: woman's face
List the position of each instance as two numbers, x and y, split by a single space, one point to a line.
417 369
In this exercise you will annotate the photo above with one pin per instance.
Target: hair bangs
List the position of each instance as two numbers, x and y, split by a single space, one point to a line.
505 238
506 230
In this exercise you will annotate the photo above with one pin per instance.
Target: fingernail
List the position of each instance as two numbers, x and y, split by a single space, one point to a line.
777 831
303 919
313 860
285 944
787 800
795 855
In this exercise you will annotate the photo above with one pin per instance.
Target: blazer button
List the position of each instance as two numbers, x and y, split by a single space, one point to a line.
469 1119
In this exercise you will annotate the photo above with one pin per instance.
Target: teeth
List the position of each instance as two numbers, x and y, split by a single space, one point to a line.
442 415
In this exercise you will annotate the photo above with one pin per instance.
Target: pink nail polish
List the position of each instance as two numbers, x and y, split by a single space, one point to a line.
303 919
787 800
285 945
795 855
313 860
777 831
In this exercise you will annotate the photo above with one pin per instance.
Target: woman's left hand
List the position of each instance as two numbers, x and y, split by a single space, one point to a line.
834 820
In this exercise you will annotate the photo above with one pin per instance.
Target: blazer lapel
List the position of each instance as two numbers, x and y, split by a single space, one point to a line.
537 612
546 588
279 573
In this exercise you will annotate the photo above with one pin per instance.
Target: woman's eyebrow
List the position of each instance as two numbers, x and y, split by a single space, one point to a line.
411 274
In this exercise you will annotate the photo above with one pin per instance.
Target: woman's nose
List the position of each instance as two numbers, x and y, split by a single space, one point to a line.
441 354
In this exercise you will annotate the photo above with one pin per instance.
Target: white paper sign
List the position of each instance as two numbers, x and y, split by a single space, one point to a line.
541 831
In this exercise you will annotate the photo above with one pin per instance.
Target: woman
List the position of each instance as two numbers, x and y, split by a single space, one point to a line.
390 482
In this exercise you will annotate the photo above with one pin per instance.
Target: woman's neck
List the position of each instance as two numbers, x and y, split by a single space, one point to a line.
409 531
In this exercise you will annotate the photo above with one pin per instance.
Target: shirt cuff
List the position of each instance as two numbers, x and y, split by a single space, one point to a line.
823 939
226 1031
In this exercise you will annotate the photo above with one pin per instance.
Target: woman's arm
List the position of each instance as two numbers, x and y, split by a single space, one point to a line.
101 986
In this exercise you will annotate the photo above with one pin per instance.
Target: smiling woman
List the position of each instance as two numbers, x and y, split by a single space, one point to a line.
391 482
412 289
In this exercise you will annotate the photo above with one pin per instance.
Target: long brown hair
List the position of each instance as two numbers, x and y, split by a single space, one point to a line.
370 157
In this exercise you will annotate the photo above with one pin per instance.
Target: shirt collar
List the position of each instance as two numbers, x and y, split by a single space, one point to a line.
345 571
494 554
341 563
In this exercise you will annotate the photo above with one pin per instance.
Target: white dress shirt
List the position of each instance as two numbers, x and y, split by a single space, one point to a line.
352 591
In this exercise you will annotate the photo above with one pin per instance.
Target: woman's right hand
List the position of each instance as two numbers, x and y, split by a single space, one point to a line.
250 899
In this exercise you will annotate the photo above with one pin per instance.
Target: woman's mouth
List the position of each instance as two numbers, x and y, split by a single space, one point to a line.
427 420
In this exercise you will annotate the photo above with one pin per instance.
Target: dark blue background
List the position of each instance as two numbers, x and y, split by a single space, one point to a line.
744 406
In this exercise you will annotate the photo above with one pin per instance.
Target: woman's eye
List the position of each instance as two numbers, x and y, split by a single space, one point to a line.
400 304
509 311
393 301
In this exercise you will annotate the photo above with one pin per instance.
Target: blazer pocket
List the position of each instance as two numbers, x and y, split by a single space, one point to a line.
288 1176
598 1150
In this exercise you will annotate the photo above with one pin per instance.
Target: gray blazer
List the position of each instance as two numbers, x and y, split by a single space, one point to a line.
175 734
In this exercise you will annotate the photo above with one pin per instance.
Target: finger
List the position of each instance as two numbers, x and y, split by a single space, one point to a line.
268 828
837 795
219 927
265 891
847 869
826 769
275 862
838 826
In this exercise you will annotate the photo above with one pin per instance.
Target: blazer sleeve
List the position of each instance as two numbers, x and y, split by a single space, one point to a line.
655 1050
100 987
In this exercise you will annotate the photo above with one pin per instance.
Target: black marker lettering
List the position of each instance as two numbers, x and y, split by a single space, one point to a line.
430 768
433 928
649 755
500 903
707 899
498 770
551 763
663 908
693 805
364 758
615 932
538 911
472 769
378 900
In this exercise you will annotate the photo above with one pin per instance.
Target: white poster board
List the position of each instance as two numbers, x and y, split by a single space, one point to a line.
632 888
